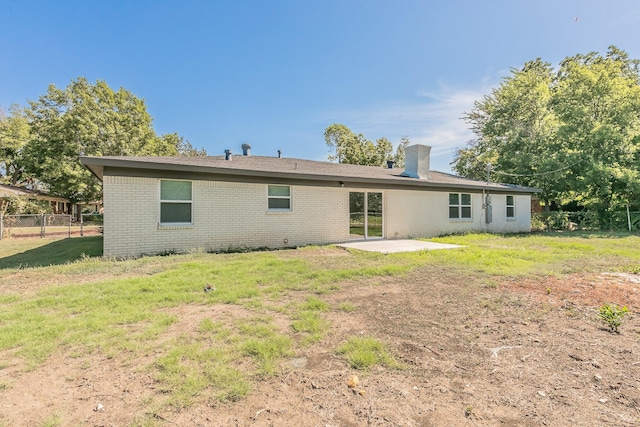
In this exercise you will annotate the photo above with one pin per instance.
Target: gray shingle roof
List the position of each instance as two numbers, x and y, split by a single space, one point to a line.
290 168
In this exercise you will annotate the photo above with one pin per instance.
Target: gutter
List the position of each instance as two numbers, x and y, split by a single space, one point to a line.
97 167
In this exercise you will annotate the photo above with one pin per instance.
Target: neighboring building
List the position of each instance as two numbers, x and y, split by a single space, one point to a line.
58 205
167 204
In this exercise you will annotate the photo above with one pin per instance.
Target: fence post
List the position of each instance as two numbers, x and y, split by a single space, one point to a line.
1 225
42 226
81 224
69 221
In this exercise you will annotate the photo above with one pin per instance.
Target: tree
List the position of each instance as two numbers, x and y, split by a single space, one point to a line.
183 146
14 134
515 128
574 132
22 205
87 119
398 157
357 150
597 100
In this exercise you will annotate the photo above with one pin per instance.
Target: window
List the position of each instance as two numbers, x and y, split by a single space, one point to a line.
279 197
175 202
511 207
459 206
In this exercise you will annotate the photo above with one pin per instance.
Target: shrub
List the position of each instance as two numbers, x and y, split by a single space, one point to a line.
19 205
612 315
537 222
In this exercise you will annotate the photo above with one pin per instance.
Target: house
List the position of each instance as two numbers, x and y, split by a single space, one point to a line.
178 204
58 205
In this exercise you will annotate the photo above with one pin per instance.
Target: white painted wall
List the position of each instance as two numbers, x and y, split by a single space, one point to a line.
235 215
226 215
522 221
426 214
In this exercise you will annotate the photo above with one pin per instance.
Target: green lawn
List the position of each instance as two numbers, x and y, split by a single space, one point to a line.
128 307
37 252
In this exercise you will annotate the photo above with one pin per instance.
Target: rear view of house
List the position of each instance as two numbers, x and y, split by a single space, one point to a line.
179 204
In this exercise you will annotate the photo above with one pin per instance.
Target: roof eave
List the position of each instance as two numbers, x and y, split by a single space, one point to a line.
97 164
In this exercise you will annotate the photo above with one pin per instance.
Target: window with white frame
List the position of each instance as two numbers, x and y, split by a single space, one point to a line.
176 204
279 197
511 207
459 206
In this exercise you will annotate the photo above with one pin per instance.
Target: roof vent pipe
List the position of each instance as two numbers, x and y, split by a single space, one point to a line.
390 164
279 153
246 149
227 154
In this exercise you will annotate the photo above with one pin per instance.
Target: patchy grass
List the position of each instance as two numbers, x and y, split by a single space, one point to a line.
347 307
129 305
130 311
543 253
310 321
51 421
192 370
364 352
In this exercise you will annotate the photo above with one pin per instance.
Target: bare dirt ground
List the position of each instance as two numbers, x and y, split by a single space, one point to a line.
524 352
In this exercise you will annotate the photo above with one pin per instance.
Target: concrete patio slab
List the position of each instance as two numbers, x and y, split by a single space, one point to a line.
393 246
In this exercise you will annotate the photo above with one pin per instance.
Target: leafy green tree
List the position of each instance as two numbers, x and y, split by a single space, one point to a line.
574 132
14 134
87 119
358 150
597 99
21 205
399 155
183 146
515 128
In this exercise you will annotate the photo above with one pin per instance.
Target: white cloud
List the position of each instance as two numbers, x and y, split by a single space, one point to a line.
435 119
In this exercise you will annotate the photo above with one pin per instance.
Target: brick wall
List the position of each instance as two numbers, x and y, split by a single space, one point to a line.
225 216
230 215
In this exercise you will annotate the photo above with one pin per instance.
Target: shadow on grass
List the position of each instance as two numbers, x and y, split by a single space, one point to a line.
55 253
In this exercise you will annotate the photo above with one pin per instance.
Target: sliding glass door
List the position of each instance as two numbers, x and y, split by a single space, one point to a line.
365 215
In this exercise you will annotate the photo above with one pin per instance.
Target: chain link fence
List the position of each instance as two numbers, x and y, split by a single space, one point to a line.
49 225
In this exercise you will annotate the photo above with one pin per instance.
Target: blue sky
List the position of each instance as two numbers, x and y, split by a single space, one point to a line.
276 73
